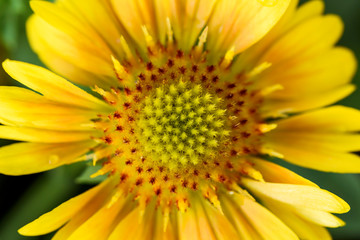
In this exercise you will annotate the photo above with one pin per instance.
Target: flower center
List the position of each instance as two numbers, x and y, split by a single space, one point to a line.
181 124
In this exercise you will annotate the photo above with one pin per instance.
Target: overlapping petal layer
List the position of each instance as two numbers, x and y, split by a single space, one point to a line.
38 157
320 139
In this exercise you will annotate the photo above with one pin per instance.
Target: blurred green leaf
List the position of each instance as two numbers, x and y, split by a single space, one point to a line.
85 177
13 16
49 190
4 78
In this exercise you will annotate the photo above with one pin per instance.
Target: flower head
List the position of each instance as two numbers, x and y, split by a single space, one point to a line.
195 94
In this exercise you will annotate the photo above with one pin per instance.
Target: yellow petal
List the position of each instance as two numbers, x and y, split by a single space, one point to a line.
153 16
75 40
290 20
151 222
279 107
320 217
100 16
230 206
188 19
128 228
60 215
331 119
86 211
319 159
203 221
204 227
140 224
272 172
18 99
62 122
22 107
267 224
317 142
211 219
43 136
27 158
321 73
303 228
301 196
57 59
248 60
306 11
64 20
51 86
309 39
101 224
188 226
318 139
232 24
132 15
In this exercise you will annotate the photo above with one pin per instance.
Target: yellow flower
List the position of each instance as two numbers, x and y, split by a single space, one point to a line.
196 94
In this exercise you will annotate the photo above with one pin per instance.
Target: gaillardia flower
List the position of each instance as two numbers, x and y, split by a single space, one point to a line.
195 96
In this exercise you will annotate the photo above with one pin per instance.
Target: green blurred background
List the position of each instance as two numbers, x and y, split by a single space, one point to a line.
25 198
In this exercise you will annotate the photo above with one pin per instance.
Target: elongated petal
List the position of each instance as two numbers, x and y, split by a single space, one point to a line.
319 139
63 122
43 136
100 16
211 223
304 229
306 11
307 40
60 60
78 41
231 208
188 19
60 215
88 210
27 158
51 86
272 172
266 223
101 224
132 19
299 195
149 225
302 78
320 159
25 108
279 107
126 229
292 18
320 217
62 19
188 226
232 23
17 99
317 142
331 119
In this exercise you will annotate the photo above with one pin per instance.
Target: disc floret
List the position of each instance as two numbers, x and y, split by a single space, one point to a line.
181 124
